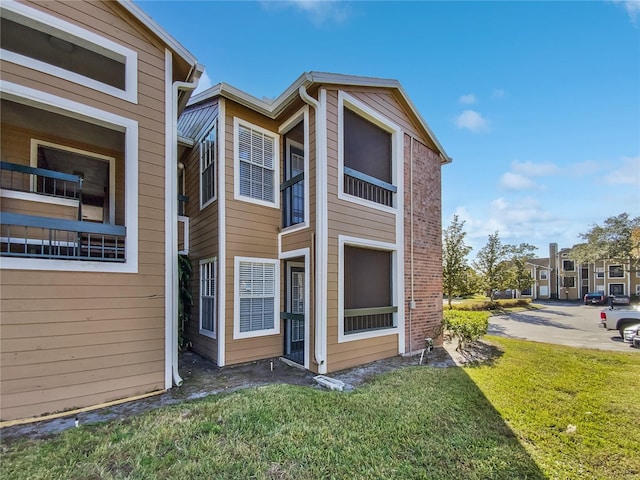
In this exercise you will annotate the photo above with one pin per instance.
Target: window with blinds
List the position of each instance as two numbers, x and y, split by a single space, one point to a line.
208 296
256 292
208 168
256 152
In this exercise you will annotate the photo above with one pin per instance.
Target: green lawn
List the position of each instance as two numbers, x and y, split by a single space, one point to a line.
504 420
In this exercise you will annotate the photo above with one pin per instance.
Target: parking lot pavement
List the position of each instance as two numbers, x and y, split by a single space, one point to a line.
574 325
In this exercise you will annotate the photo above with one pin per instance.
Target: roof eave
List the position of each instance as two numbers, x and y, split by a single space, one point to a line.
160 32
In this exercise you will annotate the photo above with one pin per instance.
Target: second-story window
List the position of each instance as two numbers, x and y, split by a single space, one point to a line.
367 160
568 265
208 168
616 271
256 153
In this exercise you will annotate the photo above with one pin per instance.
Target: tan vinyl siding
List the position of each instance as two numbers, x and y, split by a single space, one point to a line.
360 221
74 339
251 231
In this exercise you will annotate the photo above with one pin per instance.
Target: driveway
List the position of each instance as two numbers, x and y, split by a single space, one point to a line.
574 325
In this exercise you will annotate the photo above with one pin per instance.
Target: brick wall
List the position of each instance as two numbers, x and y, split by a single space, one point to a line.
427 245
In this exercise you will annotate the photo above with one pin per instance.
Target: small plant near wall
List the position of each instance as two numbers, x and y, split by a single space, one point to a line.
185 300
467 327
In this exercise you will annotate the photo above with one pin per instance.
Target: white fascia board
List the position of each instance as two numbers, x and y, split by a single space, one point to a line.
160 32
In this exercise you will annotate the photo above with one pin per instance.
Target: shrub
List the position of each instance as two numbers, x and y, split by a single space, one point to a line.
467 327
492 305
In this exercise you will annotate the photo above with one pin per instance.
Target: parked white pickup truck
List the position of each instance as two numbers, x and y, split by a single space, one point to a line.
618 319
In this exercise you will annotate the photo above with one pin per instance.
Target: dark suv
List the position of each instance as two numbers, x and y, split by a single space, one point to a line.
595 298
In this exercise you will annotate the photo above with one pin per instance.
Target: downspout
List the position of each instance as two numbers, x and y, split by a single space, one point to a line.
412 302
172 193
320 330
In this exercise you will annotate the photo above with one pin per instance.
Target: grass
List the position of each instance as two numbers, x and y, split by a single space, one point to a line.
503 420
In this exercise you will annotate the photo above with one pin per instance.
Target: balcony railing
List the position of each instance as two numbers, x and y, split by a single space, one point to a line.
367 187
30 236
359 320
45 182
52 236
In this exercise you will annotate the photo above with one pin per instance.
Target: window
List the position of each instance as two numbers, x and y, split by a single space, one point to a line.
638 290
543 274
42 42
368 290
616 289
96 171
600 272
544 291
208 155
293 186
367 150
256 153
257 298
208 269
569 282
616 271
568 265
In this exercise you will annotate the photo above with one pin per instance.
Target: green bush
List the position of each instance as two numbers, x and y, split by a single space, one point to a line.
491 305
467 327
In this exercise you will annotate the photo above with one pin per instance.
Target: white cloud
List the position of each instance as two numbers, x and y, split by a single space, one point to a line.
320 12
584 168
628 173
468 99
533 169
472 120
498 93
632 7
204 83
516 181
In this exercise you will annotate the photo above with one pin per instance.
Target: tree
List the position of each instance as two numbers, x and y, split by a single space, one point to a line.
618 238
519 275
454 259
490 263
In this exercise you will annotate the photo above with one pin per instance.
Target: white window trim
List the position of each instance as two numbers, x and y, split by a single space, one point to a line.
544 275
623 288
202 331
185 234
638 289
237 334
73 33
35 143
214 166
304 252
300 115
237 122
347 101
397 294
52 103
615 265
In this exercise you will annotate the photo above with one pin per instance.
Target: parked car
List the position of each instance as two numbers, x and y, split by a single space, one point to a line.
636 341
630 332
619 319
621 300
595 298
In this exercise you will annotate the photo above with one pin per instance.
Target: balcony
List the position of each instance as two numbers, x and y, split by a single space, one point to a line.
42 217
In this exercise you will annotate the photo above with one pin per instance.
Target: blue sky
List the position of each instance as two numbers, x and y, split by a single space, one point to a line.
538 103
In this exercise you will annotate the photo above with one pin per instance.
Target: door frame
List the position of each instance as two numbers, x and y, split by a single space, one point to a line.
293 255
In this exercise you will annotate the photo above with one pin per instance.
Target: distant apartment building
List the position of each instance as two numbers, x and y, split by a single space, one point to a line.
559 276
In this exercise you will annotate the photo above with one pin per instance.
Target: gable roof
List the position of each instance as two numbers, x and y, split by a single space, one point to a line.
273 107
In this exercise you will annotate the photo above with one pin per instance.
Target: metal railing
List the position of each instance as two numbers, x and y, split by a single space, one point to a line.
45 182
30 236
367 187
357 320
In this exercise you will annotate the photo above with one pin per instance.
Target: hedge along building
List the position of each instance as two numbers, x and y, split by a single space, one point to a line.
90 96
314 222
